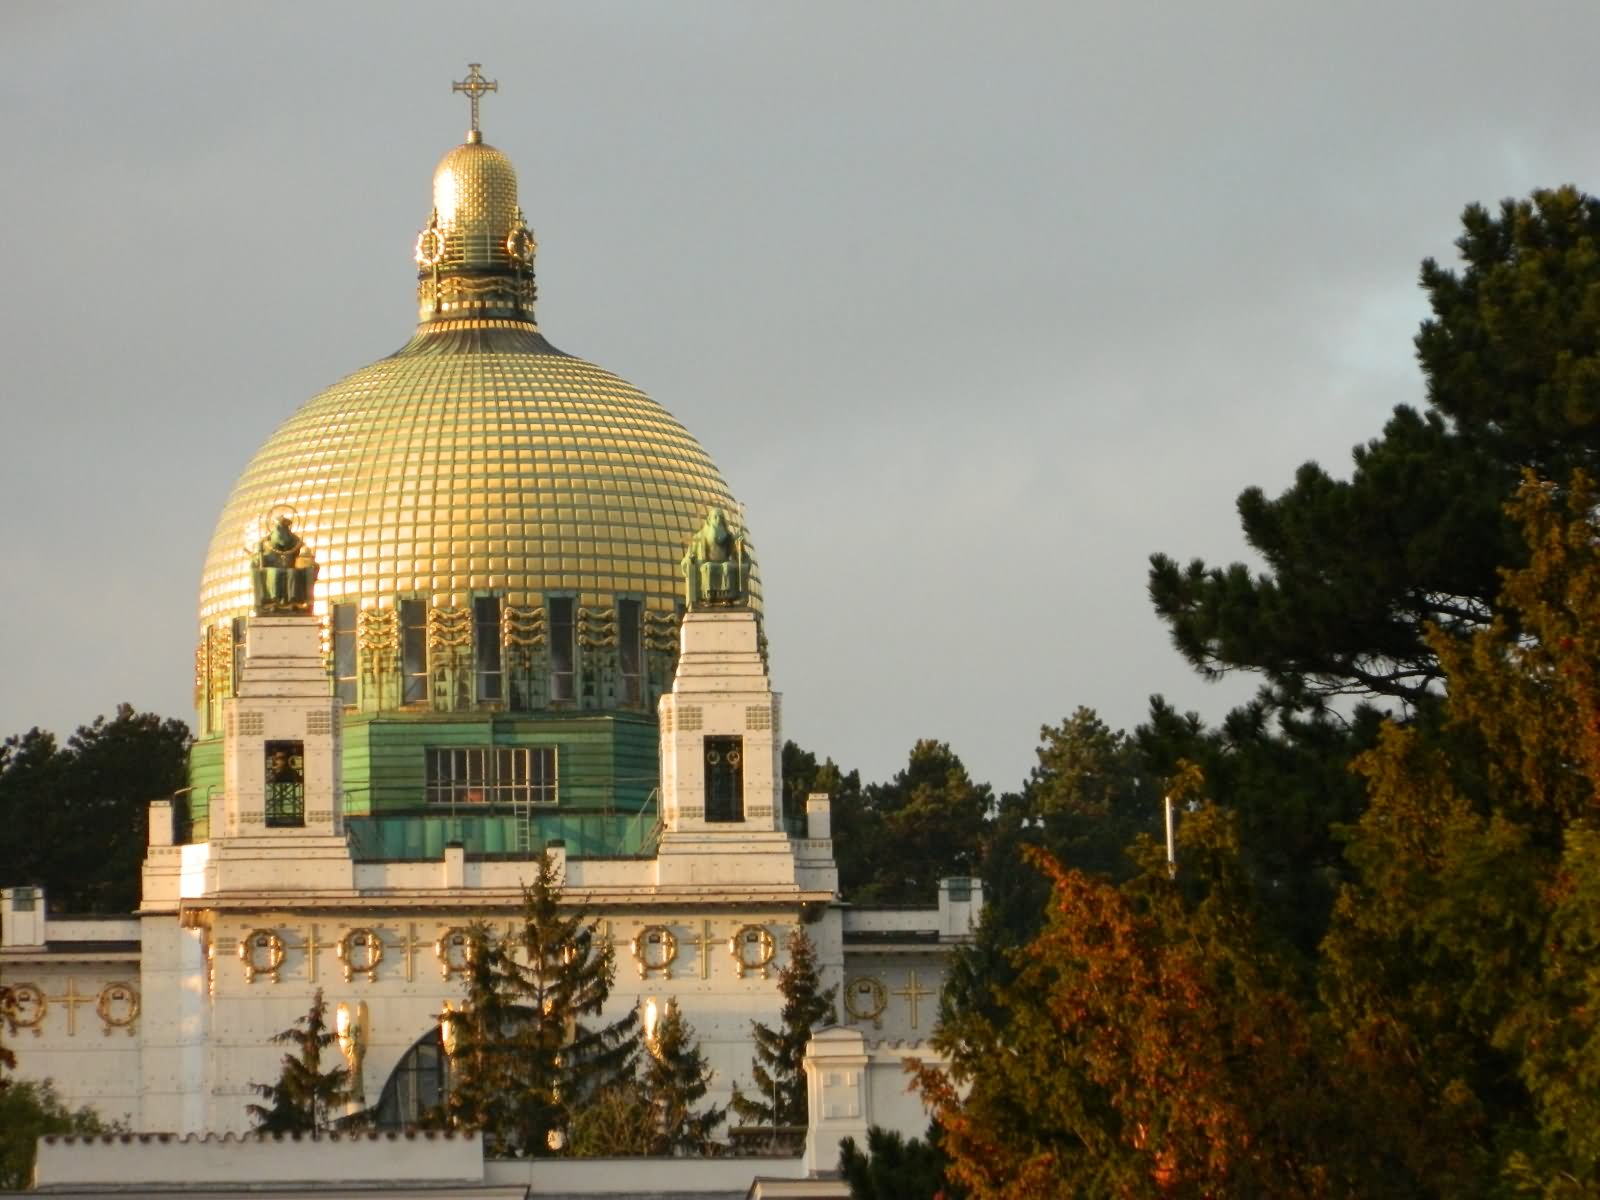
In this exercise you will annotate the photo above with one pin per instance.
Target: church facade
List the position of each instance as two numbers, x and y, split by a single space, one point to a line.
477 601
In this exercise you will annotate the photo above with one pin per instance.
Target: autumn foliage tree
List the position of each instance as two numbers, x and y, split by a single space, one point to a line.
1153 1042
1462 971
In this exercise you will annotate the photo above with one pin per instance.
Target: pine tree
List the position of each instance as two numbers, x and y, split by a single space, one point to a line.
306 1098
481 1041
526 1056
676 1077
778 1071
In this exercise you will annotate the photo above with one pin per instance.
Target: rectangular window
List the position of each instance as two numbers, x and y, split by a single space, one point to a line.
630 650
492 775
724 778
344 654
414 651
238 653
563 649
486 646
208 679
286 784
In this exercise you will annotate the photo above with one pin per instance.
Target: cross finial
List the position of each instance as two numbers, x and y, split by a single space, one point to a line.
475 85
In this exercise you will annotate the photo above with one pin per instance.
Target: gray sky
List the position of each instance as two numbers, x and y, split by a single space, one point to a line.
975 306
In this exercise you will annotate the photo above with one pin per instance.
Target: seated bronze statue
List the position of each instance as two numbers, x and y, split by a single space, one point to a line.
714 567
282 571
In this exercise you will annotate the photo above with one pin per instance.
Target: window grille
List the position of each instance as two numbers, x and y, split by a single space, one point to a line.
492 775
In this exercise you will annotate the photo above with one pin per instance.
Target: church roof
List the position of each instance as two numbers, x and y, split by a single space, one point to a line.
477 457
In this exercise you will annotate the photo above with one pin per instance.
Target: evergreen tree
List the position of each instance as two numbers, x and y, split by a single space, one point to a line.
84 805
306 1099
1358 568
482 1042
675 1079
527 1056
1091 791
778 1071
892 1168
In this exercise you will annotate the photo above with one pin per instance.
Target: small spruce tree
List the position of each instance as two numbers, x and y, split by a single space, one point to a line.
306 1098
527 1055
676 1077
780 1078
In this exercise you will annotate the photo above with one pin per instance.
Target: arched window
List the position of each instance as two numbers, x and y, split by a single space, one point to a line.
417 1085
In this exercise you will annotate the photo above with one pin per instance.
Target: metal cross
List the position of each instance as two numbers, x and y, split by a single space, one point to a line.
703 943
409 947
312 948
72 998
475 85
912 995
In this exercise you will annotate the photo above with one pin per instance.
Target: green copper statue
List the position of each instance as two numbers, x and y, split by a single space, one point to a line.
282 571
715 569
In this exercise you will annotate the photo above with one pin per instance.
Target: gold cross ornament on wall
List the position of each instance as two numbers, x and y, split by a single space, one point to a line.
913 995
73 999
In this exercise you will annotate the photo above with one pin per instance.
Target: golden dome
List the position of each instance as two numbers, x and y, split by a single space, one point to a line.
475 199
478 458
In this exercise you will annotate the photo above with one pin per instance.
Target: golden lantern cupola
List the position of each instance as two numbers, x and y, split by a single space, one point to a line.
475 254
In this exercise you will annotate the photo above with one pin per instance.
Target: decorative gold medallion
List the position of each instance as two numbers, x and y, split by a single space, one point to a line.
865 998
430 244
261 952
28 1006
752 947
454 951
360 952
655 948
118 1007
520 243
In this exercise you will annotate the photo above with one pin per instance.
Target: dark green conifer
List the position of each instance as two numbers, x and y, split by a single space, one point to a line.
527 1055
676 1077
306 1098
780 1081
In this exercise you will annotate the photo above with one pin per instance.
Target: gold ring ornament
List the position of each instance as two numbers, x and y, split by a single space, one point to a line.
360 952
521 245
26 1007
655 948
430 244
118 1007
865 998
453 949
752 947
261 952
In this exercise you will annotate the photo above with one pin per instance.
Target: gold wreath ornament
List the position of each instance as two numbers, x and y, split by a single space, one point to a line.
752 947
360 952
118 1007
262 953
655 948
27 1007
453 949
865 998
